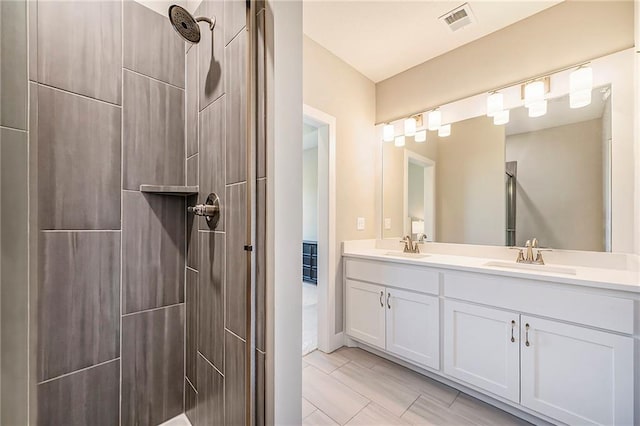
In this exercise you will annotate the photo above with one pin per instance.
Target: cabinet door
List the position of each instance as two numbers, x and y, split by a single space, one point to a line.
576 375
481 347
413 330
365 312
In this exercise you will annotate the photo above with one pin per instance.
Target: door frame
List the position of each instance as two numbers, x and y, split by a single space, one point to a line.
328 340
429 192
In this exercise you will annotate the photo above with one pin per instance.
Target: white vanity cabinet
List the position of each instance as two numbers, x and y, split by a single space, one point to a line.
575 374
482 347
365 312
393 316
562 352
413 326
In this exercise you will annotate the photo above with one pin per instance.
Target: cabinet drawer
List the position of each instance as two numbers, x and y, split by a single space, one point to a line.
407 277
528 296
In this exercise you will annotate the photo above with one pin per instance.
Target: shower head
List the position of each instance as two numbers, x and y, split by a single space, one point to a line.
186 25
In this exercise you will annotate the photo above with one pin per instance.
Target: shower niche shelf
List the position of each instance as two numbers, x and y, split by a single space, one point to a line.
175 190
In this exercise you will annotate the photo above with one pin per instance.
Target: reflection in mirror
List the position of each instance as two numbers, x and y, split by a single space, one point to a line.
548 177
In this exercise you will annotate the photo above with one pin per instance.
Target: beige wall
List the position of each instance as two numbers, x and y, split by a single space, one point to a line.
549 40
332 86
560 186
470 185
310 193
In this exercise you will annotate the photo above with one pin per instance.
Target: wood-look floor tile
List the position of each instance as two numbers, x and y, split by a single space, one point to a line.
318 418
373 414
428 387
325 362
307 408
482 413
380 388
427 412
357 355
334 398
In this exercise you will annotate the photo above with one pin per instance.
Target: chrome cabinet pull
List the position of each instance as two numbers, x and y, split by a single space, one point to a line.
513 325
381 297
526 334
388 304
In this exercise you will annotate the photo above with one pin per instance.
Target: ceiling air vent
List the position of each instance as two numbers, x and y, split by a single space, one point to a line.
458 18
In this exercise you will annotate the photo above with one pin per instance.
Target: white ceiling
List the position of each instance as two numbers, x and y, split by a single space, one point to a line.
383 38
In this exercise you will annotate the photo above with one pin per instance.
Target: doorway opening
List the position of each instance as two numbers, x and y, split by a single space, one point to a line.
319 246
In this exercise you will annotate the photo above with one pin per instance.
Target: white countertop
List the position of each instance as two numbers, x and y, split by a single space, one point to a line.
604 278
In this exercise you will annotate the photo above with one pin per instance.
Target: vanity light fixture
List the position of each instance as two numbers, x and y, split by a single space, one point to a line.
580 86
495 103
534 92
435 119
421 136
410 126
538 109
501 118
388 132
444 131
399 141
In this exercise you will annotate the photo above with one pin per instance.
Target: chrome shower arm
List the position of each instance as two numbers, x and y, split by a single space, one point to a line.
211 21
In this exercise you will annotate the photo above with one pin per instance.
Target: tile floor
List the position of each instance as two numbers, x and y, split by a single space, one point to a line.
353 387
309 317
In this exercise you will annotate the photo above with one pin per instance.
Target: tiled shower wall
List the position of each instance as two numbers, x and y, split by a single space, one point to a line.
107 113
216 301
14 133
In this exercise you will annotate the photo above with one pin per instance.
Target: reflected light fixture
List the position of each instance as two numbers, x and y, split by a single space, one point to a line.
495 104
421 136
444 131
399 140
534 92
538 109
410 126
501 118
580 86
435 119
388 132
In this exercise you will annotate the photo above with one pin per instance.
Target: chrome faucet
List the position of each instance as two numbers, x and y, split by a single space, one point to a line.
530 246
411 246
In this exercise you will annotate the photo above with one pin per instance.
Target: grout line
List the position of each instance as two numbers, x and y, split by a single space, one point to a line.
78 371
78 95
151 78
200 111
210 363
352 417
53 231
410 405
227 185
234 334
120 390
191 385
152 309
15 129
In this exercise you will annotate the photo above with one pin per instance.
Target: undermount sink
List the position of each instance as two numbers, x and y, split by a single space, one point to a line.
408 255
532 267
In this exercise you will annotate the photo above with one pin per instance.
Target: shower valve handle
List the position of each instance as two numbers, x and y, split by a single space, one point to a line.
210 210
203 210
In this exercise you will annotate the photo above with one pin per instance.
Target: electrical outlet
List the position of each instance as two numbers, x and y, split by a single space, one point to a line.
387 223
360 224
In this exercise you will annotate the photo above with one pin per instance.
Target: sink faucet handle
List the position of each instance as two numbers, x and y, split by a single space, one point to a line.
539 259
520 257
534 243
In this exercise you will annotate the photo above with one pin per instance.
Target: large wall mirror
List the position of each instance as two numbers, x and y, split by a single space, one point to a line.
548 177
